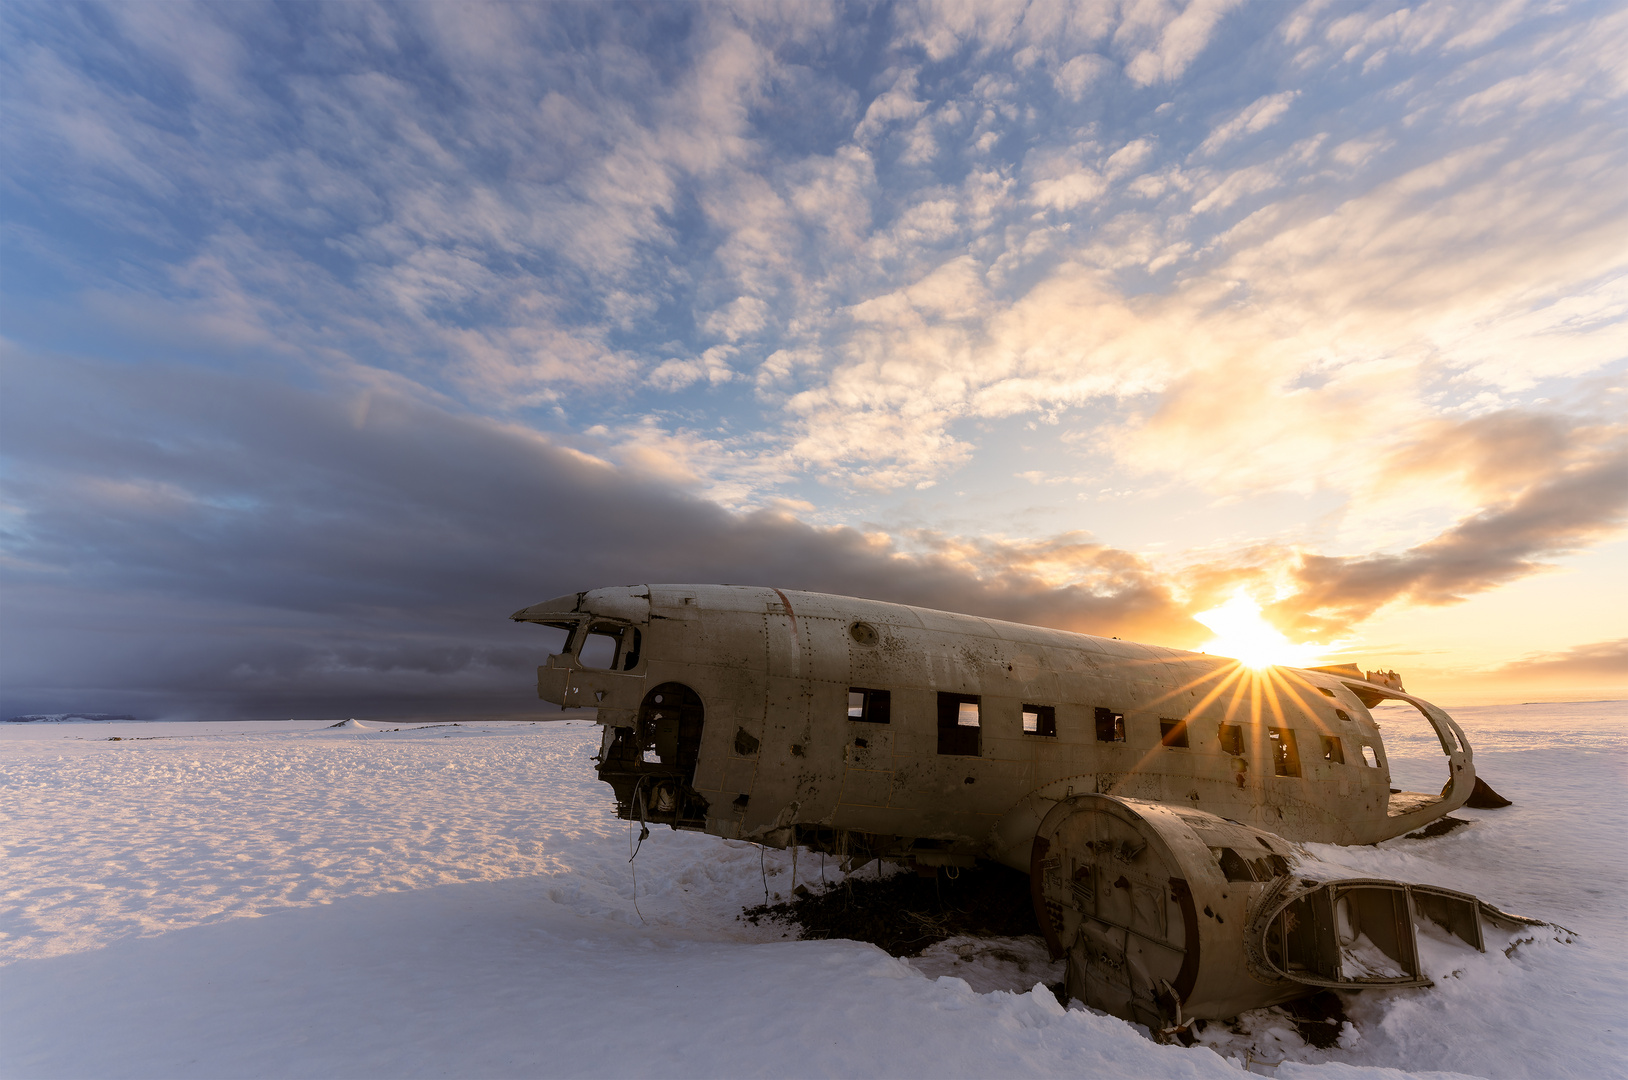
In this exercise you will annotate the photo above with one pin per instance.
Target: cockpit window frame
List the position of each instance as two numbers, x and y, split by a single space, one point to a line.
629 645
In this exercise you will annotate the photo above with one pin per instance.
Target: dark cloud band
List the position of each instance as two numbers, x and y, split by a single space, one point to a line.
204 542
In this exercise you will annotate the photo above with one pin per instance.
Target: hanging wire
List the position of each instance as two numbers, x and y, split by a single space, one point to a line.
644 829
644 832
764 870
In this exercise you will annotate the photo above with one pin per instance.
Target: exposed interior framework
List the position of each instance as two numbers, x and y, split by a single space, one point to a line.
651 765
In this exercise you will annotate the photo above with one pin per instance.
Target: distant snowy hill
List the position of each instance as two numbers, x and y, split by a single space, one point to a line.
63 718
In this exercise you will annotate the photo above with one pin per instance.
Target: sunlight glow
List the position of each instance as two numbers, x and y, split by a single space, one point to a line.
1241 633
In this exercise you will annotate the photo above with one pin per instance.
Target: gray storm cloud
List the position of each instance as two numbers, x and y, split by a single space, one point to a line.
1600 664
1565 499
191 542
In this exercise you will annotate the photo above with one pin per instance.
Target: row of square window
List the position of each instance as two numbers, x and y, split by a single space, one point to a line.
954 710
959 726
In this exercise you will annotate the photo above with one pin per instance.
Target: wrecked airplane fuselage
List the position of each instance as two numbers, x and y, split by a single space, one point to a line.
1152 795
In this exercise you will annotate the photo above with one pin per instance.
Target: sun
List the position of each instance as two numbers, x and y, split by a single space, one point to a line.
1241 633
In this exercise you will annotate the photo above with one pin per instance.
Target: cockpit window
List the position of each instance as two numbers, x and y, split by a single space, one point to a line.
598 651
608 647
557 637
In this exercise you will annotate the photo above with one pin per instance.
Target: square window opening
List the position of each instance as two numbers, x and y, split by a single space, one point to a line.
958 724
1232 739
1172 732
867 706
1325 691
1110 725
1040 720
1369 758
1332 750
1285 757
1343 715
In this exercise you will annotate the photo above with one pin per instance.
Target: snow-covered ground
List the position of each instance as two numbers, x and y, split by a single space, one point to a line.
290 900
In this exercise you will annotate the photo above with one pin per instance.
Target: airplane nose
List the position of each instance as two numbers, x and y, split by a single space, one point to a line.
623 603
550 610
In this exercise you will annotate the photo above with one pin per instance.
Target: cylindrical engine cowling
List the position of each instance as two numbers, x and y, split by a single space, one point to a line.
1168 915
1151 904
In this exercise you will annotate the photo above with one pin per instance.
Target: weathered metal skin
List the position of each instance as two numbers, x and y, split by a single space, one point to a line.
772 670
874 730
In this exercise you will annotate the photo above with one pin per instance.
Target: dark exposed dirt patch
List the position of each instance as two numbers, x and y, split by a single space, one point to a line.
905 913
1482 797
1318 1018
1439 827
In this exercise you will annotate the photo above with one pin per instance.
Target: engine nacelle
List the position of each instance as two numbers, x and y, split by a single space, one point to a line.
1160 909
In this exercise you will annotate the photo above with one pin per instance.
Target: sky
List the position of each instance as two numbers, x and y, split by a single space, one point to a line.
333 333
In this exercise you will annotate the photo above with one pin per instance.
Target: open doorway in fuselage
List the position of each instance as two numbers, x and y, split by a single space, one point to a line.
651 766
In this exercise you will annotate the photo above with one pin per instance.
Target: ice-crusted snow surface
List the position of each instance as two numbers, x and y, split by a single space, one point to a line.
294 900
